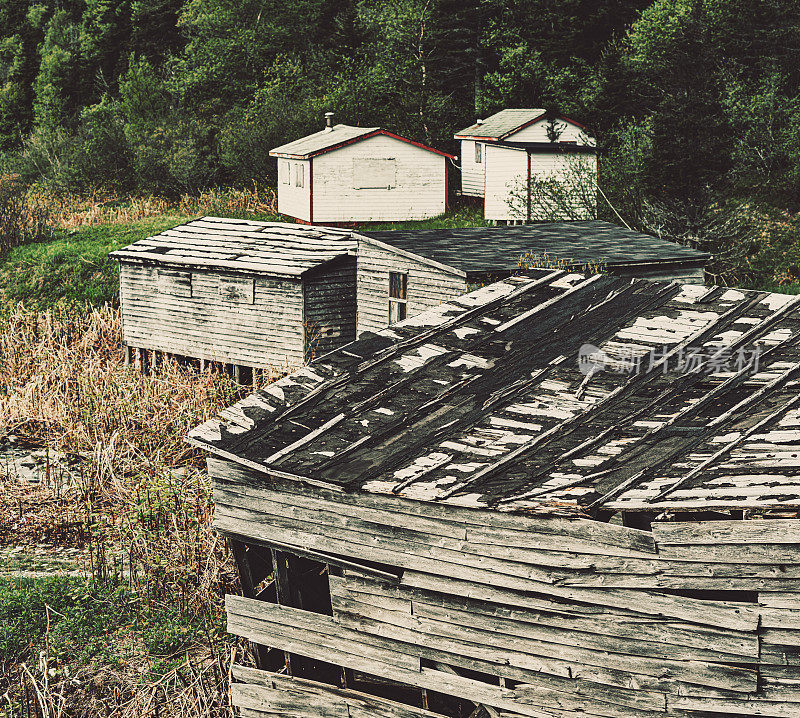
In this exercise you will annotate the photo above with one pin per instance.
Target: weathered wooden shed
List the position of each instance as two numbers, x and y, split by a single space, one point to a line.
241 293
346 174
455 517
423 268
513 158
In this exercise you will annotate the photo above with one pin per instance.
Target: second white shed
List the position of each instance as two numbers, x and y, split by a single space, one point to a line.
529 166
346 174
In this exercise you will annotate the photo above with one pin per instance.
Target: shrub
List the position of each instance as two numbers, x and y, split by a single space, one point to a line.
24 216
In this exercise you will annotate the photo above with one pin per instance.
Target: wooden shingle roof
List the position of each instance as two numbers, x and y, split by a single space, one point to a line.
214 243
339 136
492 250
501 124
484 401
320 141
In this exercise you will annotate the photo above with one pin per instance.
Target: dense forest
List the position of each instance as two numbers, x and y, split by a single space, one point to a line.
693 102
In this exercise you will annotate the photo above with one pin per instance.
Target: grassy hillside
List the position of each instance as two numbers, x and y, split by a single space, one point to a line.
74 266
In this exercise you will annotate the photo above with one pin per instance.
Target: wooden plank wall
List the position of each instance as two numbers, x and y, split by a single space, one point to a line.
428 286
330 307
218 316
534 616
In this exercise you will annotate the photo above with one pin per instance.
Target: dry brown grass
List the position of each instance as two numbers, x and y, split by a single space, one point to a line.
198 687
140 504
101 208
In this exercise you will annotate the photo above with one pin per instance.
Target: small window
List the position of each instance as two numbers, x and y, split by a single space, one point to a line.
299 175
286 174
478 153
398 296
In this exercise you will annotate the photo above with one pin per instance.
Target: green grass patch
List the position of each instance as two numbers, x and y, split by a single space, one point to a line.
465 216
74 267
82 622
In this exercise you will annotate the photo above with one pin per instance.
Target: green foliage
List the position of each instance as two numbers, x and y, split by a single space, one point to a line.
77 621
73 268
691 100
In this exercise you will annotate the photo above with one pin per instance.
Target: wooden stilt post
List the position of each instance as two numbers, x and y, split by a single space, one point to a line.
237 373
144 364
281 575
249 590
128 353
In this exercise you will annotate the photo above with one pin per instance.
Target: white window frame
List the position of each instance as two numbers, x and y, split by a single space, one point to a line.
478 153
299 175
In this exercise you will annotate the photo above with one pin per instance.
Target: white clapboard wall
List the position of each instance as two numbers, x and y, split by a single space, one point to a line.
378 179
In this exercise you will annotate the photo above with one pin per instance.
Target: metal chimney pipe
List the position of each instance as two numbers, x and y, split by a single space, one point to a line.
328 121
478 122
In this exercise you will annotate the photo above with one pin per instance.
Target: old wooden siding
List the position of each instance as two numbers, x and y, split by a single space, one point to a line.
417 189
330 307
506 189
294 201
471 172
227 317
428 285
684 275
561 617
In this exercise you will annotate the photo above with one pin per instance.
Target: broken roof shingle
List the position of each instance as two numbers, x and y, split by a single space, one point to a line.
215 243
483 402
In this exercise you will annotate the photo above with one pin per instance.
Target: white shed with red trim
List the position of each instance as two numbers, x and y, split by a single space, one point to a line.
512 125
346 174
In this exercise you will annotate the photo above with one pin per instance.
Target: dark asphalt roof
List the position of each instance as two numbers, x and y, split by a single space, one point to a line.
542 147
498 249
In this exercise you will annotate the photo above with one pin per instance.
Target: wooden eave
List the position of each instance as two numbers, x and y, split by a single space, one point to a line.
360 138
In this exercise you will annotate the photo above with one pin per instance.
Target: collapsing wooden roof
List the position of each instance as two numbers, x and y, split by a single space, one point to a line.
497 250
483 402
215 243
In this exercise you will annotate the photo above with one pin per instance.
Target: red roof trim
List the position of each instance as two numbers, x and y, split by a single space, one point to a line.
353 140
474 137
416 144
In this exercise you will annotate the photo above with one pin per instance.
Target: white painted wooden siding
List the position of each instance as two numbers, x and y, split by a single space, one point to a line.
506 194
428 286
268 331
537 132
506 172
294 201
471 172
419 192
